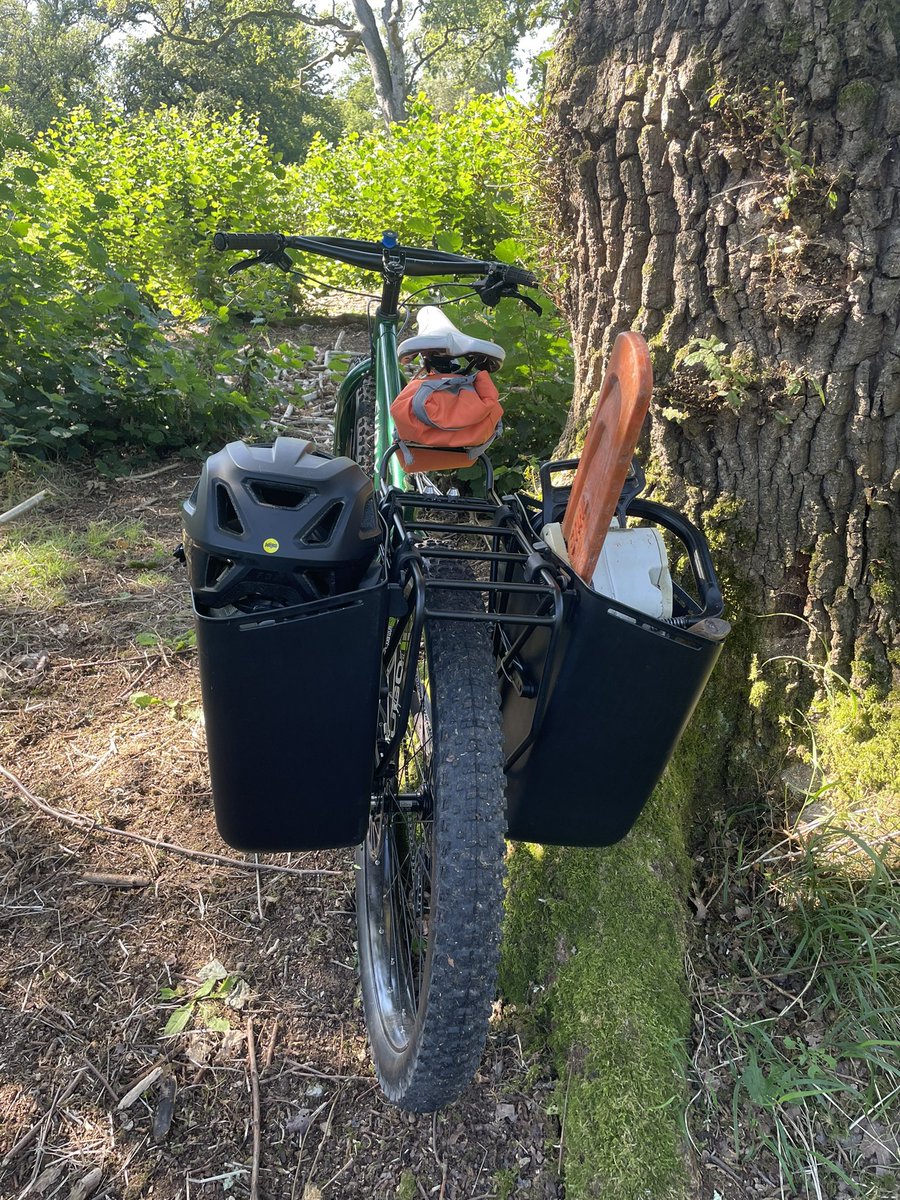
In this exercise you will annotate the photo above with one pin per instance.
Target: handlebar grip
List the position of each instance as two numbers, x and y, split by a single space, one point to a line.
520 278
262 242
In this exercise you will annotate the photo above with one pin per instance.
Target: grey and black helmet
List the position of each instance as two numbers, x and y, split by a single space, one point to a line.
270 526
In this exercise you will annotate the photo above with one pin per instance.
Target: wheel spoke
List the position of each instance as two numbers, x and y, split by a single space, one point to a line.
399 857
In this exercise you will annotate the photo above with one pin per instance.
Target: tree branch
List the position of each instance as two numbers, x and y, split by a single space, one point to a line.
168 30
350 47
426 58
79 821
388 88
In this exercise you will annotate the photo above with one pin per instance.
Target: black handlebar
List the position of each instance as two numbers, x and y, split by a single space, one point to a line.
370 255
262 242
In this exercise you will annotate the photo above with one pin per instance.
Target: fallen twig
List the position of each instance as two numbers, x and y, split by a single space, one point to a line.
89 826
139 1088
115 881
150 474
101 1079
254 1111
86 664
307 1072
270 1048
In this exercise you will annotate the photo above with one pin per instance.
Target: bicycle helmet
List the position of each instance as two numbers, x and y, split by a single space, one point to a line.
272 526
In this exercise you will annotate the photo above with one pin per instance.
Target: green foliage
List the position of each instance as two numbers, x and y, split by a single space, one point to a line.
51 56
149 191
797 1012
729 376
85 363
254 68
473 43
109 227
457 180
447 178
217 991
804 1015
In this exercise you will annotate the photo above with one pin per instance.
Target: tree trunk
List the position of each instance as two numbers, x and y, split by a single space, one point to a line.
728 171
388 65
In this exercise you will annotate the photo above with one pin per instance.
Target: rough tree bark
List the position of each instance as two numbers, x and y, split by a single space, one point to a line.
701 206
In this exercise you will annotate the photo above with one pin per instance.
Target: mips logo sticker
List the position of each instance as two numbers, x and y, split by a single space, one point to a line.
270 546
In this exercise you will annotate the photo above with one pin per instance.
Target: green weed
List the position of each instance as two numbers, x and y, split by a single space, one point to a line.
208 1003
38 559
407 1189
179 710
184 640
765 117
728 376
504 1184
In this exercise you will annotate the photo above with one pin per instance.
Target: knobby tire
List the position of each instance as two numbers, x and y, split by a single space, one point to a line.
362 437
450 858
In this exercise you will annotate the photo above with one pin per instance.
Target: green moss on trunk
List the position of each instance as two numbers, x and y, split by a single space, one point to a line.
594 949
601 934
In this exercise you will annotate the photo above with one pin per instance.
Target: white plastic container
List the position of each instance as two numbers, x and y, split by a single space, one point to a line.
633 568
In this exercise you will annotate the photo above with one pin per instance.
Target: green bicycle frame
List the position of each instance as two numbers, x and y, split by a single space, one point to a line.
385 367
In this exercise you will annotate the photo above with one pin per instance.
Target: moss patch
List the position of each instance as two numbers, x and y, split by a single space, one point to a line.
599 932
595 939
857 746
593 948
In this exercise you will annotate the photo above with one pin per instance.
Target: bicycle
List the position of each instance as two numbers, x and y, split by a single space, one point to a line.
463 595
430 890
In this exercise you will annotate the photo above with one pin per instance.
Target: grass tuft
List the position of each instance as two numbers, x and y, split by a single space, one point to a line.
797 978
39 558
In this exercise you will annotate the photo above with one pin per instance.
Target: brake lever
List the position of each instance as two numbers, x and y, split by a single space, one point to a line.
274 258
529 303
489 290
492 291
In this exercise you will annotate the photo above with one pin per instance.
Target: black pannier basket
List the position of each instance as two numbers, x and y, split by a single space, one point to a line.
284 551
594 705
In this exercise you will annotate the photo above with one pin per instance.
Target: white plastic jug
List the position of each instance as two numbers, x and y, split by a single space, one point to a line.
633 568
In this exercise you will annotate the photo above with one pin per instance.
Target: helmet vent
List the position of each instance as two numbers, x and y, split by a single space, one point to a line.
215 569
226 514
278 495
319 533
369 520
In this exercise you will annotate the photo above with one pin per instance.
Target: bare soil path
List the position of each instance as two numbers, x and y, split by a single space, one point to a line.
103 939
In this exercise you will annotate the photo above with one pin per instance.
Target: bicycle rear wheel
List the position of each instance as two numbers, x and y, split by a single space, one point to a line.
362 435
430 879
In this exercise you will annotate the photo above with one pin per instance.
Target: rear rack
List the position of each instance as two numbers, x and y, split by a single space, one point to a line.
496 560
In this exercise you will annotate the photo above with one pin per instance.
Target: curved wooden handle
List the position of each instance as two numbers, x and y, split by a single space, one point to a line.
608 450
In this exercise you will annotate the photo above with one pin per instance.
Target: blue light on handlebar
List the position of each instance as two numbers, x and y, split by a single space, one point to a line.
389 239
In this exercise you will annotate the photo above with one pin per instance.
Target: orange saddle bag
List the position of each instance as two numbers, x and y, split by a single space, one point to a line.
444 420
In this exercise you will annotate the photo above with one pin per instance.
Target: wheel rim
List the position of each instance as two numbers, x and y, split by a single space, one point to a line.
398 868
